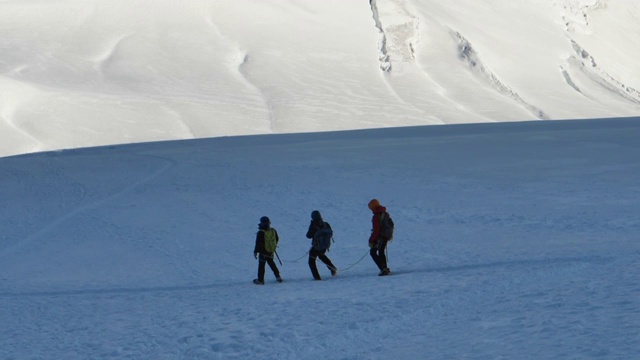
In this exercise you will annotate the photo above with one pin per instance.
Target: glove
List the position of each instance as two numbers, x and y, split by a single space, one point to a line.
373 245
255 255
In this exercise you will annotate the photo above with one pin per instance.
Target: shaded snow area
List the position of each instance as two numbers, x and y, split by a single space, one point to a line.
81 73
513 241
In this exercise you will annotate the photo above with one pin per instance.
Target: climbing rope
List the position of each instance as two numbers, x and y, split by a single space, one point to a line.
340 270
298 259
354 264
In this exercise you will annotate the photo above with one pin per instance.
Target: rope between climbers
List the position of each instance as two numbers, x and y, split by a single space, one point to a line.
354 264
341 270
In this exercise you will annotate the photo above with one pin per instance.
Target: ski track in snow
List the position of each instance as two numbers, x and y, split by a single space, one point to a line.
344 275
8 251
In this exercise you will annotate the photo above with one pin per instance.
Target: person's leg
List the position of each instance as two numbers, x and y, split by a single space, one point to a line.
323 257
376 258
313 254
382 256
261 266
274 268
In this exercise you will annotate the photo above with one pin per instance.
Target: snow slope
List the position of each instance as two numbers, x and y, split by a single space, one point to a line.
513 241
78 73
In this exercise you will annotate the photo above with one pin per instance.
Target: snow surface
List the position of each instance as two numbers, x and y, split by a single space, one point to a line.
78 73
513 241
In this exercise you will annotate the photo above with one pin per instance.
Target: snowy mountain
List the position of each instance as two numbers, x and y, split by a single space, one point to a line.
78 73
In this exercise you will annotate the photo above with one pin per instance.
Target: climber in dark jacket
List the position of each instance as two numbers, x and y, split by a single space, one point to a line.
317 251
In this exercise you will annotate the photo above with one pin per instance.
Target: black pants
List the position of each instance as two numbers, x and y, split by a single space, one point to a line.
266 259
378 254
313 254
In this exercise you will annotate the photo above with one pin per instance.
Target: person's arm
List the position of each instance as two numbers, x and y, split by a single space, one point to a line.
375 233
312 230
259 243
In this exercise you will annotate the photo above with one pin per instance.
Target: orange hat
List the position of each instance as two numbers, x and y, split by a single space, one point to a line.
373 204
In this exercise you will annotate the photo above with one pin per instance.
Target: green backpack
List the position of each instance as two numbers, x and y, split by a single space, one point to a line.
270 240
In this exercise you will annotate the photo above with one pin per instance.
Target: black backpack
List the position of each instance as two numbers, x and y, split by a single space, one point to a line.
386 226
322 238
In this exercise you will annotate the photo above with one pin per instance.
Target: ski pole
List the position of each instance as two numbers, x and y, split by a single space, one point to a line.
278 256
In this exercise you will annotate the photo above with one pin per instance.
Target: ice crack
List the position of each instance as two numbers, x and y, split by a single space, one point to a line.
383 55
467 53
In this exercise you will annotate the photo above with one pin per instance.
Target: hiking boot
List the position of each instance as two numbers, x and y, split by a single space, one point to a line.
258 282
278 279
334 272
384 272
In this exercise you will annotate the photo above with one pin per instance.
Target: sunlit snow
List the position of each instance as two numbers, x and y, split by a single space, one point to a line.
77 73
